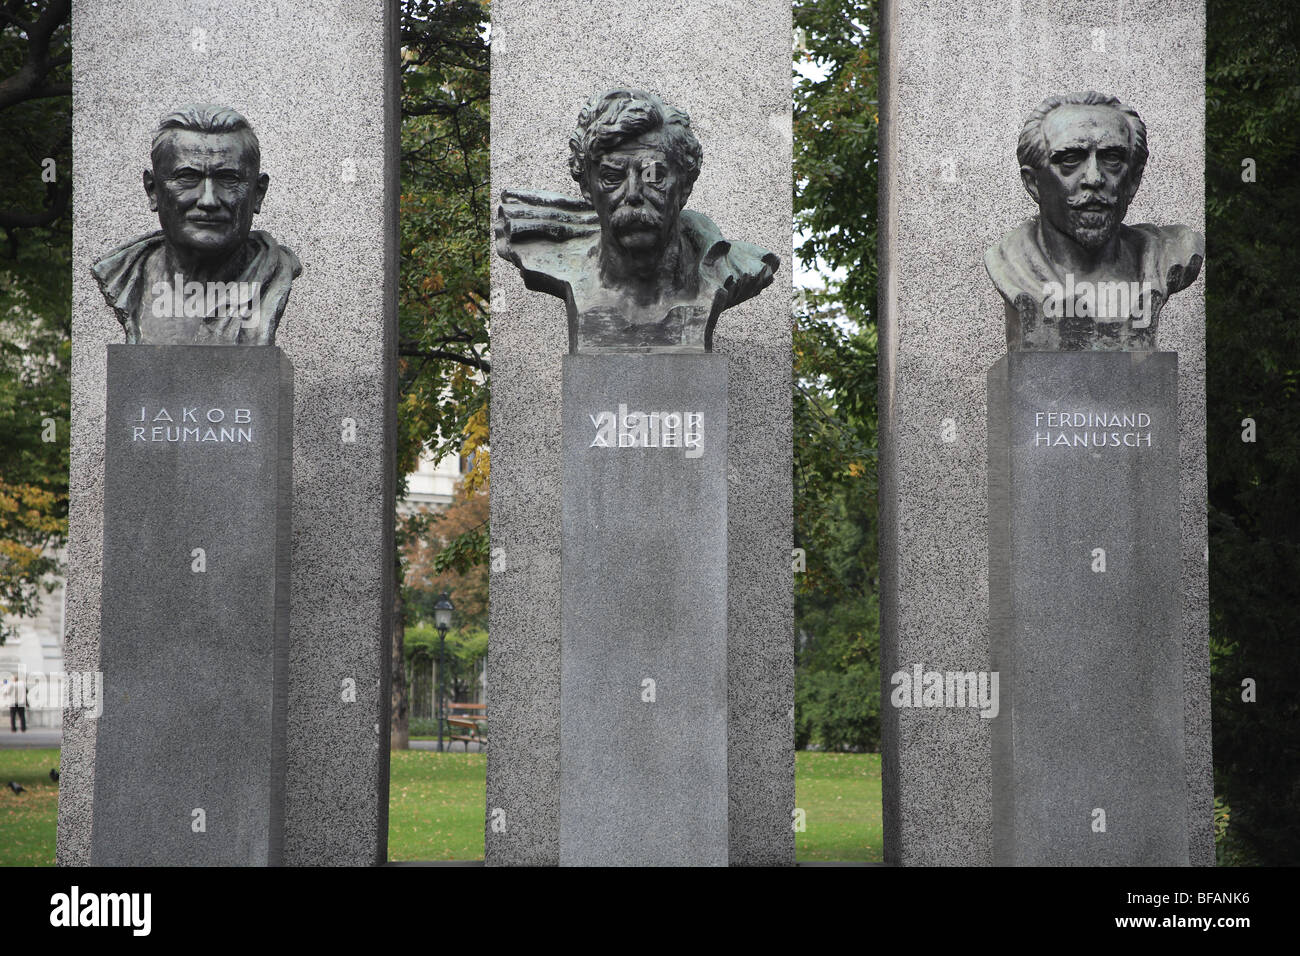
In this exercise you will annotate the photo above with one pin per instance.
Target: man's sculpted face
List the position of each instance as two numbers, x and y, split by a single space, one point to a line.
205 188
1085 188
637 193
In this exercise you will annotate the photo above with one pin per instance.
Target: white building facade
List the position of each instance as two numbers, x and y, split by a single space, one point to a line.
34 652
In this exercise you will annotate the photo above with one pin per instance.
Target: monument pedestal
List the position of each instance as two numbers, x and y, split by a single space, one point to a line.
643 695
190 748
1085 598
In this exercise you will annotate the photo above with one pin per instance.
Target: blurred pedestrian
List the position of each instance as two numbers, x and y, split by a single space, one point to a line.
17 704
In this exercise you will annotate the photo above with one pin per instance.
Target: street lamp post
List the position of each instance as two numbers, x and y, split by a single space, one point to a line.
442 621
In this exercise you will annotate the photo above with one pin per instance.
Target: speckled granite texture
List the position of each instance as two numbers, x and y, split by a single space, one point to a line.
188 655
1089 655
959 80
643 782
728 65
313 78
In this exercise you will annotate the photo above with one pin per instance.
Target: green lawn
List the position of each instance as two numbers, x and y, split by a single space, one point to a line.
841 796
436 806
27 820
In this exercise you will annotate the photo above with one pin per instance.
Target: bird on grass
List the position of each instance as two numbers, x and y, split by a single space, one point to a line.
17 787
54 775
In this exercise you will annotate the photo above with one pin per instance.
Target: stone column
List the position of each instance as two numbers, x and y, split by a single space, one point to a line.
194 612
317 81
728 65
643 655
958 80
1088 753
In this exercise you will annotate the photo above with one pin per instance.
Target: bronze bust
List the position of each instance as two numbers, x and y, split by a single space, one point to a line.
205 278
1075 277
637 271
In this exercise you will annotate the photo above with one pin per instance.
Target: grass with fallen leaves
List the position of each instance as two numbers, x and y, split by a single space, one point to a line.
28 820
437 806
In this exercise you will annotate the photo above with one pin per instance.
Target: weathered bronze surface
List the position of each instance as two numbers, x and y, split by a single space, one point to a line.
1075 277
205 278
637 271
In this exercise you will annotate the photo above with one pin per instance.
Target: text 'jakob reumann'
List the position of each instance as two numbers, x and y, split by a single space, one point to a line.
193 424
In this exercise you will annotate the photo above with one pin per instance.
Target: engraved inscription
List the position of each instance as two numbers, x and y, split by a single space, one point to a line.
637 429
1092 429
192 423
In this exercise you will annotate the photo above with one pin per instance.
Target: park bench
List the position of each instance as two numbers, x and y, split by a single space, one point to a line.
470 728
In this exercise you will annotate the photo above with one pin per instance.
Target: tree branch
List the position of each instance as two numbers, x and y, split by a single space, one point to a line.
31 220
472 361
30 82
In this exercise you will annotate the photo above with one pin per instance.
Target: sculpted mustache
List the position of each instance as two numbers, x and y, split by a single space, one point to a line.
634 217
1095 201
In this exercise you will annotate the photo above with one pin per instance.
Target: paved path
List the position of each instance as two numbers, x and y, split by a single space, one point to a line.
35 737
47 737
453 746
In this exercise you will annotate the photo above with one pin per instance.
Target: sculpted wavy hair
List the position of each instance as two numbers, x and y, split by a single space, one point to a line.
615 116
1032 149
205 118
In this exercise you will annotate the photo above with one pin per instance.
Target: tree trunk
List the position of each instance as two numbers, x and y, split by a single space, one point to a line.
400 733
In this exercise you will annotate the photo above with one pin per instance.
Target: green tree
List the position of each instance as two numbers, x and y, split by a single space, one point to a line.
1253 372
837 677
465 649
444 292
35 297
836 121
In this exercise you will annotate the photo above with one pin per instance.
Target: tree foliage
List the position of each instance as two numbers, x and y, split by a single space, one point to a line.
34 395
431 535
35 297
1253 372
444 292
444 369
463 654
836 122
837 682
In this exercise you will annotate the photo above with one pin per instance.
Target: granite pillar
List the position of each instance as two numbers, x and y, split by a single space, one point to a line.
317 81
728 66
1085 629
958 80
